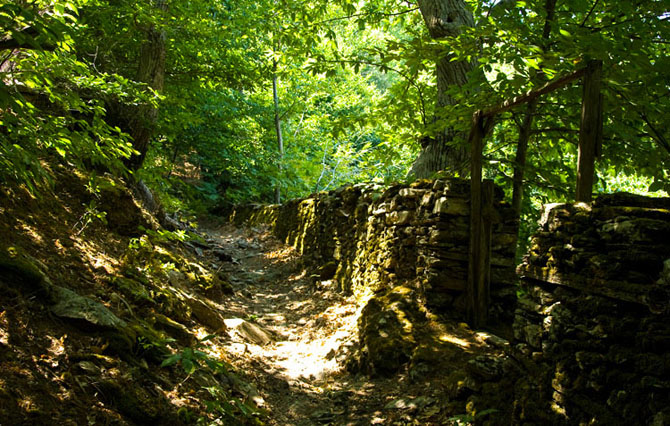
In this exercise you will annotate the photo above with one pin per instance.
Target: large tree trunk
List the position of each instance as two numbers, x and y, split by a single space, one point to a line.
447 151
151 70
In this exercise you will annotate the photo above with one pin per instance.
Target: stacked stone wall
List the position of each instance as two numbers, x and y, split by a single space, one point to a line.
379 238
595 320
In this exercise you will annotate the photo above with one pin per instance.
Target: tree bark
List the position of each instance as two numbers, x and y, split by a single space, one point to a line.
151 70
280 139
447 151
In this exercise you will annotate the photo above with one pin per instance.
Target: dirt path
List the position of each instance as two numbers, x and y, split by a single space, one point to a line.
290 334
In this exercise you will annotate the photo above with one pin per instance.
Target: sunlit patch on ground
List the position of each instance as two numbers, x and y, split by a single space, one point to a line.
31 232
454 340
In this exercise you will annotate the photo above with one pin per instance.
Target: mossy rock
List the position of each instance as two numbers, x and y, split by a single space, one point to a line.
151 343
136 291
137 404
72 306
175 329
226 286
122 342
387 328
21 272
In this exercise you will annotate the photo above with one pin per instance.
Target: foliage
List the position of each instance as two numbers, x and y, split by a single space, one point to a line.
356 93
225 407
51 102
466 419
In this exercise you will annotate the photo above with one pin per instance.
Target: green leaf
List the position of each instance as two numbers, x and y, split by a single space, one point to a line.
188 365
171 360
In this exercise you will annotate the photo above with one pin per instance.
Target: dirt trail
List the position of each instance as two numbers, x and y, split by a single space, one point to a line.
289 334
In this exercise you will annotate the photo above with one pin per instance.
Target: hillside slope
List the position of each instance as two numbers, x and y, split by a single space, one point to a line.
102 313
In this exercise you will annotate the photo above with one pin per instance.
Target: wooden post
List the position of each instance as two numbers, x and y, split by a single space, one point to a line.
484 283
590 131
476 140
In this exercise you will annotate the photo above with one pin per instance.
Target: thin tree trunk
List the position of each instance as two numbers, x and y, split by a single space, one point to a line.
527 124
520 160
151 70
280 139
448 150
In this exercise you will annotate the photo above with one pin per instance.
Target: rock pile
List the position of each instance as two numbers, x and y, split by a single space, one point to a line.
595 320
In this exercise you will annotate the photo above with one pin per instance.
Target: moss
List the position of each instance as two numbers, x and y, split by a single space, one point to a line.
133 289
129 404
18 270
151 343
387 326
173 328
165 256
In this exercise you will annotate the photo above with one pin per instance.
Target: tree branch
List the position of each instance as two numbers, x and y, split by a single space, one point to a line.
10 43
588 15
529 96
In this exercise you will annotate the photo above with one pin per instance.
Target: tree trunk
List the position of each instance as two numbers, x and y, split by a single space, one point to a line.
520 159
280 139
448 150
151 70
527 124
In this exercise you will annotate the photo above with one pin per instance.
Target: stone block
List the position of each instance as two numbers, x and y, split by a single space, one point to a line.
450 206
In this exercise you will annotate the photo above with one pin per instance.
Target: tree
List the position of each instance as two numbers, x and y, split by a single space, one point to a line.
445 19
150 70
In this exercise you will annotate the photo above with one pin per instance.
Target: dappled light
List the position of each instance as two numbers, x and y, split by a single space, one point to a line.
311 212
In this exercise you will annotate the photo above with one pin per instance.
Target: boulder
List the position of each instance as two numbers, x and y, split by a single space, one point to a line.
250 332
386 327
70 305
19 270
205 314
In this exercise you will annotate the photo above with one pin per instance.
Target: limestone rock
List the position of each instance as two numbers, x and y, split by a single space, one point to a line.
250 332
444 205
205 314
595 321
69 304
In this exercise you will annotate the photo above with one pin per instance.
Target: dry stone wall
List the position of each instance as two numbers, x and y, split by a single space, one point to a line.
376 238
595 321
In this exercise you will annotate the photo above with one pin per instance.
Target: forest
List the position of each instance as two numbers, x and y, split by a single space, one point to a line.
201 202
